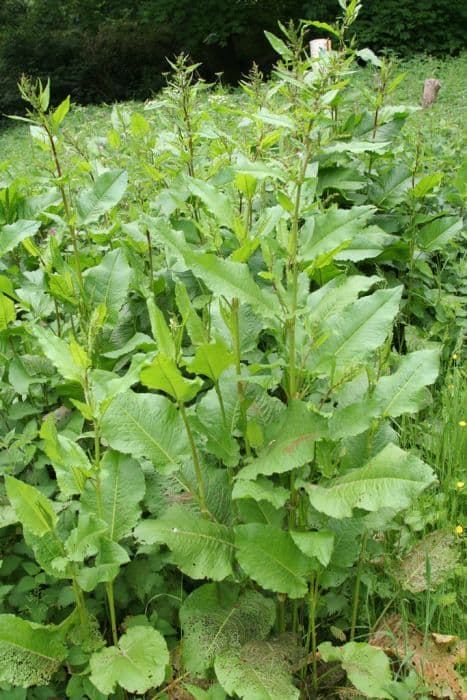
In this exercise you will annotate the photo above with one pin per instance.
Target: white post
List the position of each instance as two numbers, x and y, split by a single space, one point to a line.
319 46
430 91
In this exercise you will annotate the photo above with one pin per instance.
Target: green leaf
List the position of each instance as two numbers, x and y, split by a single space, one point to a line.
220 617
436 234
58 351
164 375
353 419
160 329
59 114
34 511
110 556
292 443
84 540
402 392
208 424
325 232
145 425
12 234
366 666
137 664
30 654
190 318
315 544
70 462
391 187
108 282
356 332
338 293
200 548
259 671
271 558
261 490
122 488
216 202
105 193
225 278
7 312
426 184
279 46
391 479
211 359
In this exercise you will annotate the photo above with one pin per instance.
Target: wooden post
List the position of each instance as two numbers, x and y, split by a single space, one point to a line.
319 46
430 91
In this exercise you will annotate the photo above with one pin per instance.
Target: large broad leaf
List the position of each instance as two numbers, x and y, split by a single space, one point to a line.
367 667
219 617
146 425
436 234
34 511
122 488
7 312
356 332
259 671
107 283
137 664
225 278
200 548
30 654
292 443
319 545
164 375
106 192
272 559
325 232
12 234
392 479
403 391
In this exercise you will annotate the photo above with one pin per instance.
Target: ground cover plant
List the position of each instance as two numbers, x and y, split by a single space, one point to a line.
223 318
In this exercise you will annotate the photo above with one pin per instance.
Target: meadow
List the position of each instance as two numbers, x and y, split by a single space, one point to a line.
232 390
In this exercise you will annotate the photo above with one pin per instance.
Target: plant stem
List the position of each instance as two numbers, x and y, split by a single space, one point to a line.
356 593
235 328
196 462
311 637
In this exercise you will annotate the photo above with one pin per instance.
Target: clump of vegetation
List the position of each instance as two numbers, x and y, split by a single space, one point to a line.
223 321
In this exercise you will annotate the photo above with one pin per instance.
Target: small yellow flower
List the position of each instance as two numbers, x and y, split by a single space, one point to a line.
459 485
459 530
462 423
455 356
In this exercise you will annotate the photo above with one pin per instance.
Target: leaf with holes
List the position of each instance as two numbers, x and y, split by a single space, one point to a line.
221 617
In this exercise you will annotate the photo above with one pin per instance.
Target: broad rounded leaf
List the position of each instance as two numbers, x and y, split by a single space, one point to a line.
200 548
220 617
30 654
272 559
366 666
259 671
137 664
164 375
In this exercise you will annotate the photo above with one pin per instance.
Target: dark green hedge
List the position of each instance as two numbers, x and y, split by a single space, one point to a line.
103 50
